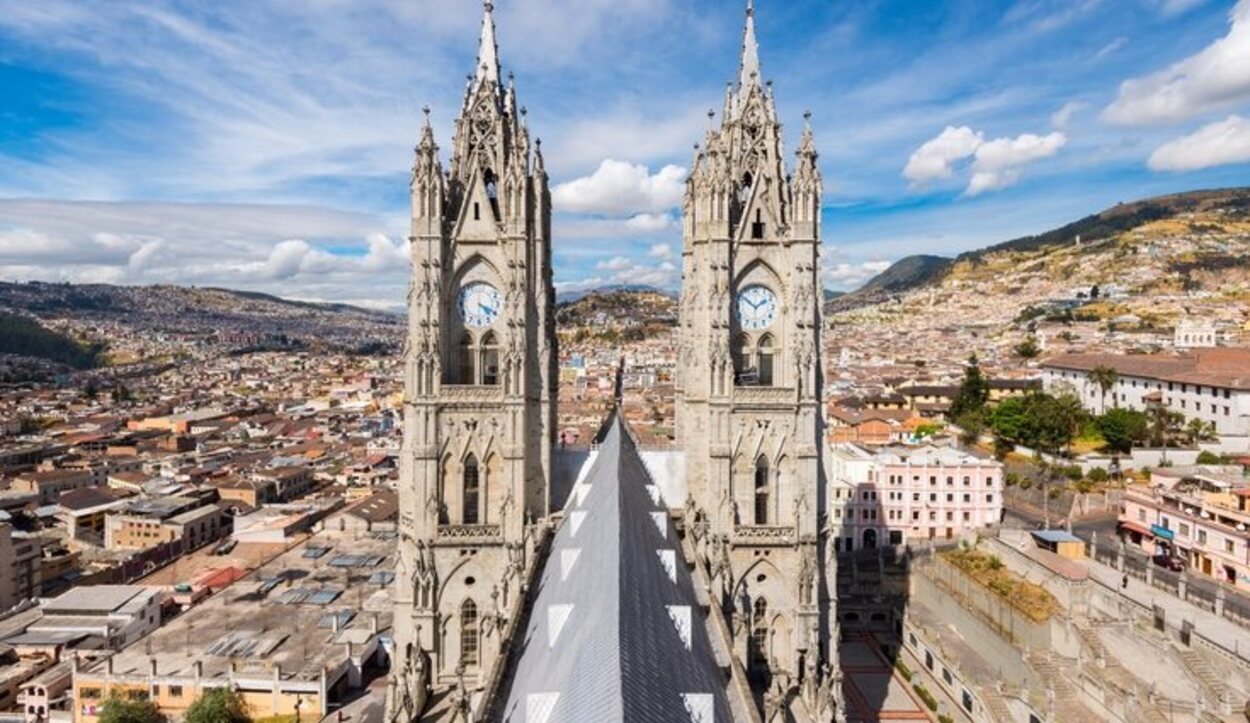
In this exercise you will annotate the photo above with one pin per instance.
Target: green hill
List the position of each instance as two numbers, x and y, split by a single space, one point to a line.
24 337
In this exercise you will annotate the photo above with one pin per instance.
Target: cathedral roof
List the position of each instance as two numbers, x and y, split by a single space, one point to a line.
616 632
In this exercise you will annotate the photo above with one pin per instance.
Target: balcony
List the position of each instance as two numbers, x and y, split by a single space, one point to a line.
451 535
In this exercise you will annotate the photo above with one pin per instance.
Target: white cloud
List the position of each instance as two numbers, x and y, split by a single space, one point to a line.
1217 77
934 160
619 188
848 275
1111 48
661 251
1062 117
616 263
1172 8
996 164
1218 144
650 222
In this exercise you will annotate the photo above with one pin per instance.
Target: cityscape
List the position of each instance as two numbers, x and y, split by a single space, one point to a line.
691 445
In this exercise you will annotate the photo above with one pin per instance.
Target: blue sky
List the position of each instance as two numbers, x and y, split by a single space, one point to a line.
265 144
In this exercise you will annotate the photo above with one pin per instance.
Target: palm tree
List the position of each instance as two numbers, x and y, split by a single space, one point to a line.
1106 378
1165 425
1199 431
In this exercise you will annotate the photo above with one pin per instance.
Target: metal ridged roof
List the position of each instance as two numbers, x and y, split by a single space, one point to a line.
615 632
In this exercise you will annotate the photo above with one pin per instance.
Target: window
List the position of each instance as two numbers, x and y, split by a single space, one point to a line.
89 693
757 228
477 211
759 634
472 491
1228 546
490 359
1202 537
761 491
766 361
469 634
175 691
468 368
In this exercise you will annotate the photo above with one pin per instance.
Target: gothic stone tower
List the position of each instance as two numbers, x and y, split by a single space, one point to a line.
480 390
749 384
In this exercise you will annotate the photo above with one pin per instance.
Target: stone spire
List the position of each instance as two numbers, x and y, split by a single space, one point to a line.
488 50
427 133
750 71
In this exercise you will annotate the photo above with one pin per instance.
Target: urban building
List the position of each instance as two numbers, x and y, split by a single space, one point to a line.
20 566
1210 385
1200 515
899 494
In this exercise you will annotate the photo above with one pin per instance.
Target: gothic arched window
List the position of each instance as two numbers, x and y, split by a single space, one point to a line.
492 187
759 634
741 356
490 359
761 491
467 360
765 363
472 492
744 190
469 640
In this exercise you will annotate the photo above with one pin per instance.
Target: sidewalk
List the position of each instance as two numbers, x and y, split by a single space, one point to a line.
1215 629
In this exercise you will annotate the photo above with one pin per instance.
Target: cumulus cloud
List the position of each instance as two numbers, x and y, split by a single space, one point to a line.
934 160
844 275
1216 78
650 222
619 188
1218 144
996 164
661 251
999 161
295 251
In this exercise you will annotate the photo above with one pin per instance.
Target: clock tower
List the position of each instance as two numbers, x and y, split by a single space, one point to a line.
749 401
480 395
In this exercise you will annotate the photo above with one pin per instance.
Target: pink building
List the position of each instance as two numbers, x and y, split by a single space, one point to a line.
1200 515
900 493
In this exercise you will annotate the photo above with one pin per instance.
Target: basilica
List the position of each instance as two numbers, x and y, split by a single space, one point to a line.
534 586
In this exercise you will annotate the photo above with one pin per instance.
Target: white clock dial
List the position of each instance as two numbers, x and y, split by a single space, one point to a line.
757 308
479 305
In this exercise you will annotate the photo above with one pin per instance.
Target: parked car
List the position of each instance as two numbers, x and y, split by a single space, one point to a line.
1169 562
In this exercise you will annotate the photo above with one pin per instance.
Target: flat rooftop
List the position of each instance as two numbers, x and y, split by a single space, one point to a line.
280 615
98 599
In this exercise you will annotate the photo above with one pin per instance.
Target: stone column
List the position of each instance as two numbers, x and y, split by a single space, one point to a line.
1150 572
1219 601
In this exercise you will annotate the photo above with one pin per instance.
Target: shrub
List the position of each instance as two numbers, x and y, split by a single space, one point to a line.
1011 479
1073 472
1210 458
902 669
1098 475
217 705
926 696
129 710
945 719
994 563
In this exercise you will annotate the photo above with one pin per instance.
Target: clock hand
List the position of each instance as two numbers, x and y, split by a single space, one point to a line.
485 309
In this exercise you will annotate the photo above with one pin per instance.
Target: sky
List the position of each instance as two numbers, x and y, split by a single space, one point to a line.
266 144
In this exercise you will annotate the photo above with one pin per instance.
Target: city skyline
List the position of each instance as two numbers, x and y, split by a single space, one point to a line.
253 145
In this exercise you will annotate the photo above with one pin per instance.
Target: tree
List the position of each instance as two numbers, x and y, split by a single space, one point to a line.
1122 429
1210 458
1199 431
1029 348
974 391
1164 425
1106 378
91 390
129 710
217 705
972 424
1044 422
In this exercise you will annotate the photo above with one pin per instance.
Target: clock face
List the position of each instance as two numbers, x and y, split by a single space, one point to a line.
479 304
757 308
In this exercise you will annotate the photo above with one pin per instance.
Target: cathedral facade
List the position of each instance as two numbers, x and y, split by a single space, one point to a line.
480 392
749 402
477 470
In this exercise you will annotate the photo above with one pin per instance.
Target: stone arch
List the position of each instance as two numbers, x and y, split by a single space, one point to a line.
760 272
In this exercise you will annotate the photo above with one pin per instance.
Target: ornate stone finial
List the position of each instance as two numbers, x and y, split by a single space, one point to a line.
750 8
524 111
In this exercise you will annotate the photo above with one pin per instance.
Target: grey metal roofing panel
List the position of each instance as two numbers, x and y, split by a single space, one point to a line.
634 644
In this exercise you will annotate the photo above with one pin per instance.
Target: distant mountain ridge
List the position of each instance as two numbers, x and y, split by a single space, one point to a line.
569 297
916 272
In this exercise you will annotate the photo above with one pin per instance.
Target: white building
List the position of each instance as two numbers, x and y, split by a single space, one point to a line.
898 493
1212 385
1193 334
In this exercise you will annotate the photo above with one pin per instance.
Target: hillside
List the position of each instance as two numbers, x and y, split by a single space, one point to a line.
1200 211
630 315
21 336
243 318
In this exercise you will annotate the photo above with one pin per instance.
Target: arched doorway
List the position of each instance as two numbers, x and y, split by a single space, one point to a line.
870 539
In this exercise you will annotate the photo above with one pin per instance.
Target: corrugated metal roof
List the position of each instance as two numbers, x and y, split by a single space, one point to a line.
616 632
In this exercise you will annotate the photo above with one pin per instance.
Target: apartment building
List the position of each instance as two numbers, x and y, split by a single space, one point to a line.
900 493
1199 514
21 556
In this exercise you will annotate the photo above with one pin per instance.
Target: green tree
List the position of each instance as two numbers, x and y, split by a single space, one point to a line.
1122 429
1106 378
1210 458
1164 424
974 391
129 710
1029 348
1199 431
217 705
1044 422
973 425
